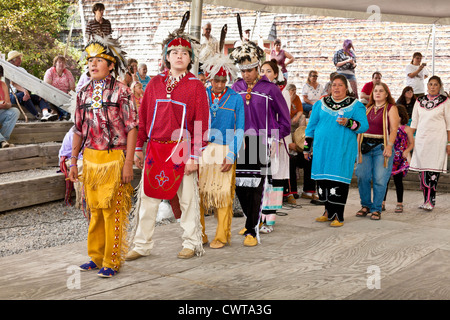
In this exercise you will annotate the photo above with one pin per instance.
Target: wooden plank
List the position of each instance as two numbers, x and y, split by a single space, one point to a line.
19 152
23 193
39 132
29 157
32 191
35 85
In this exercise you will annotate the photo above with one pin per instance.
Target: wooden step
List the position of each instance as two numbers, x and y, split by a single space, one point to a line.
39 132
37 187
26 157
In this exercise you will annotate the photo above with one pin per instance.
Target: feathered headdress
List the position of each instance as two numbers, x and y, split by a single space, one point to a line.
220 65
107 48
180 39
248 54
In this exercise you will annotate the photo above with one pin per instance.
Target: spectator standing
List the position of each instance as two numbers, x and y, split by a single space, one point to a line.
431 123
408 100
296 159
368 87
98 25
403 145
345 61
416 73
138 93
332 130
282 57
209 45
26 98
376 151
8 114
312 92
61 78
142 75
133 69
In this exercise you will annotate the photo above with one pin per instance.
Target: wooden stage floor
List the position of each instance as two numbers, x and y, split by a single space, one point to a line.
403 256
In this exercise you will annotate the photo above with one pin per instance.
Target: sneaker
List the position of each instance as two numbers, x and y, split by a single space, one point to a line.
49 117
4 144
428 206
65 117
88 266
106 272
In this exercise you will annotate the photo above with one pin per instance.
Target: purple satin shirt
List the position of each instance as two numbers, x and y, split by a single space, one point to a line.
267 108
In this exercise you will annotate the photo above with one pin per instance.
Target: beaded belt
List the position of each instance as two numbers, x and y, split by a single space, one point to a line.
166 141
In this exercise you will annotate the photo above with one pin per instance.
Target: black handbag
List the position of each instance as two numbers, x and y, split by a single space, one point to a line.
369 143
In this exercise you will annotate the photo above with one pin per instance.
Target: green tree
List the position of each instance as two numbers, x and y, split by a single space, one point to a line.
32 27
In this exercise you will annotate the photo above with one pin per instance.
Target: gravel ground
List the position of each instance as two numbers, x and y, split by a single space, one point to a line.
47 225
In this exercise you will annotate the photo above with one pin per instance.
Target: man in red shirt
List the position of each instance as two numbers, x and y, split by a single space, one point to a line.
368 87
173 117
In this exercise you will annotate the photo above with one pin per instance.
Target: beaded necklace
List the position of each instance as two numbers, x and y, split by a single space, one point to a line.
215 99
172 82
248 96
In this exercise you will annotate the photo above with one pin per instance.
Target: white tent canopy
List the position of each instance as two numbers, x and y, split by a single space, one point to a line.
409 11
403 11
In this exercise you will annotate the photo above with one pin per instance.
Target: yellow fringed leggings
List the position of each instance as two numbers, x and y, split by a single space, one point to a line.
108 203
223 205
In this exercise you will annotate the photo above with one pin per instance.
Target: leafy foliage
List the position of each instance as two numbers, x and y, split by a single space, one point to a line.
32 27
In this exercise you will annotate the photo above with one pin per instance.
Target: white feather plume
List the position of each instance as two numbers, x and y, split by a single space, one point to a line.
213 64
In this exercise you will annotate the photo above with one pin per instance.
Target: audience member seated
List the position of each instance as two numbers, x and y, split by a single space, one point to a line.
61 78
24 97
312 91
8 114
327 88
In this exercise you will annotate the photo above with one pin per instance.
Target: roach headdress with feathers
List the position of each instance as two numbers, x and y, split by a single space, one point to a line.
248 54
107 48
180 39
220 65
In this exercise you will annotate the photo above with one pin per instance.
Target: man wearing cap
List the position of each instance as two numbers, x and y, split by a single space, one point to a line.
173 117
267 121
217 171
26 98
105 131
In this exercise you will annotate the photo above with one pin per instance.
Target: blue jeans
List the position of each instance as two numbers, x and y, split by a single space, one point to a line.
29 104
8 119
307 107
372 170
